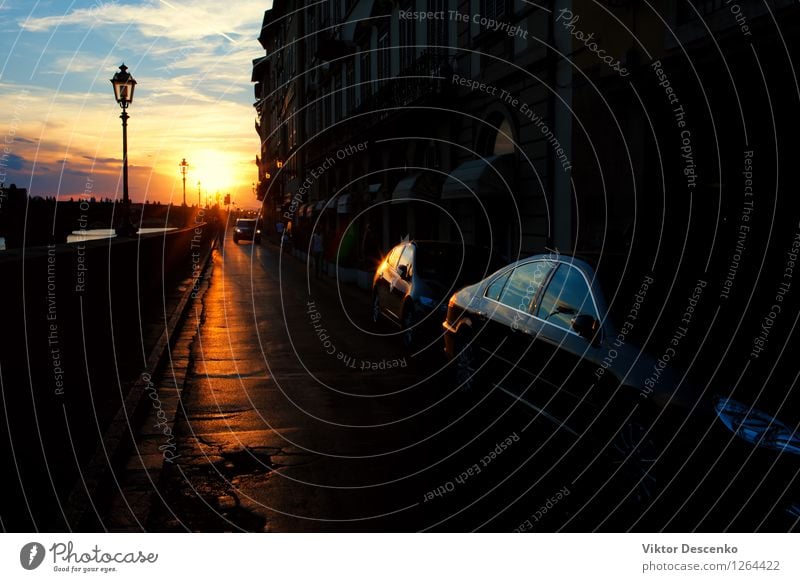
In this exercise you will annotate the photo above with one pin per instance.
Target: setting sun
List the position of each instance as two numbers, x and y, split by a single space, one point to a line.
218 171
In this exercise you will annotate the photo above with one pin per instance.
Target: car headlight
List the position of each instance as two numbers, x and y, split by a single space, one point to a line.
237 230
756 427
428 302
258 231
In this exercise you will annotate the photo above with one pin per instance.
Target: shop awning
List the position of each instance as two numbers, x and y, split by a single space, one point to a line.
419 185
343 206
375 192
490 177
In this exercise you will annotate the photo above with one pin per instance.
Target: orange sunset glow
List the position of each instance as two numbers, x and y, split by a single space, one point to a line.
193 100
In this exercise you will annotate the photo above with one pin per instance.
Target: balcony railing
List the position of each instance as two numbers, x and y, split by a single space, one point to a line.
414 84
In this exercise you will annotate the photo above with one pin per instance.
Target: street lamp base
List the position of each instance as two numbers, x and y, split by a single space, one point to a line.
128 230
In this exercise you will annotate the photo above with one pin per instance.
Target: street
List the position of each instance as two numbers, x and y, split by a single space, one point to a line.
282 430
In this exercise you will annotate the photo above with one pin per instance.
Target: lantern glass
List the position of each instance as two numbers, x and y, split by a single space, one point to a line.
124 85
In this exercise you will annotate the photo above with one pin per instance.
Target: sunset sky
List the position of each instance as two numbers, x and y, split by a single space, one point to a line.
192 61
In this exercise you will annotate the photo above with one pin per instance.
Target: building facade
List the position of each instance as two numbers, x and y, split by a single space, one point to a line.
517 125
387 121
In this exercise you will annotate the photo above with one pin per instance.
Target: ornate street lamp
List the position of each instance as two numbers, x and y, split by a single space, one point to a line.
124 84
184 165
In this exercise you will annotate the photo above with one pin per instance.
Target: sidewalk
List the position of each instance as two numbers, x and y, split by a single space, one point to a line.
353 280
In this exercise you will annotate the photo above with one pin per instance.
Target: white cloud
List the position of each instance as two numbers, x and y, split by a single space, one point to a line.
179 20
194 97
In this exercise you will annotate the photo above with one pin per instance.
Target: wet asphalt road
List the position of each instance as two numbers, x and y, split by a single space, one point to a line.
291 422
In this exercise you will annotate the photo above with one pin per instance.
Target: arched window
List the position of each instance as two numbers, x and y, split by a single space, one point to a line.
496 137
503 140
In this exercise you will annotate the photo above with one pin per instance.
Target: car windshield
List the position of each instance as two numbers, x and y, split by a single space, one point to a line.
443 263
246 223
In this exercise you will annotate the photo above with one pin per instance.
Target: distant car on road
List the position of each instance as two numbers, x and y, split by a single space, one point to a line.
247 229
540 331
412 283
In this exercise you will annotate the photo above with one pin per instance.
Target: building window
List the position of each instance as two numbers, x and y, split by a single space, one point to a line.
366 75
503 140
384 58
496 137
337 113
494 9
328 99
433 158
350 83
311 31
438 37
407 41
326 13
337 11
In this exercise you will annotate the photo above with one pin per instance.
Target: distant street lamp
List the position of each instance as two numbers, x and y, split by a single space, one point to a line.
124 84
198 193
184 168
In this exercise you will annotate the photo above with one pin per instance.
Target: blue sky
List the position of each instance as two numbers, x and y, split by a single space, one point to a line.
194 98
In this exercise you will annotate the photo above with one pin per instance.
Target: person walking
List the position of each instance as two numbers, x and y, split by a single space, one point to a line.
316 252
279 228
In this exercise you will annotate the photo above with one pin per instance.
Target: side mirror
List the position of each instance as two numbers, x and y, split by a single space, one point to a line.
565 309
587 327
402 271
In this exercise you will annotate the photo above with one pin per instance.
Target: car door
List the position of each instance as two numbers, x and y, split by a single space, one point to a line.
570 359
386 276
509 328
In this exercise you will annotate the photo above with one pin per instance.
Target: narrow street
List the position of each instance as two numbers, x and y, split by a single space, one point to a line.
282 430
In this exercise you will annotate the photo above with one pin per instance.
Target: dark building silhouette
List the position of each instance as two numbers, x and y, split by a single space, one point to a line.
364 111
580 125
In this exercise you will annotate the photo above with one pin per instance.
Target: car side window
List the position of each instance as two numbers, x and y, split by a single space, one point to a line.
522 286
494 290
394 255
566 297
407 258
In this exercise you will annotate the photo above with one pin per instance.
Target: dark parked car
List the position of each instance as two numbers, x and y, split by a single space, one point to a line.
247 229
540 332
412 283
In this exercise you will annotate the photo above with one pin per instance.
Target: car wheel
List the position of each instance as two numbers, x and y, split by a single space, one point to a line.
633 454
409 327
375 315
465 364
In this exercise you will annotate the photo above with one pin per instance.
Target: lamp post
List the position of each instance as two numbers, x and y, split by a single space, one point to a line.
184 168
124 85
198 194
